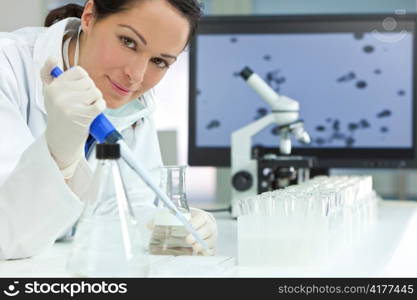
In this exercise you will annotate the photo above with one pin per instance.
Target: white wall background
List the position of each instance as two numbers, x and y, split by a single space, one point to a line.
20 13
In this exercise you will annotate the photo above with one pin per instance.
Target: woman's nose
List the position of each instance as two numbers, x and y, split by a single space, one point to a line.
136 70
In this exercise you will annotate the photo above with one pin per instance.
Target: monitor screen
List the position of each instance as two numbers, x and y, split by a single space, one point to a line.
353 77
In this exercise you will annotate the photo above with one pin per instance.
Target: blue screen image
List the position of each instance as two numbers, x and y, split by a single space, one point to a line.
354 90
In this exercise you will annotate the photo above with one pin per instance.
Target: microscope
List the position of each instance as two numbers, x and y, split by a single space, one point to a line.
256 171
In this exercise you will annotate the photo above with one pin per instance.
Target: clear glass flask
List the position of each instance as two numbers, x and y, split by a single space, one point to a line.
168 235
108 240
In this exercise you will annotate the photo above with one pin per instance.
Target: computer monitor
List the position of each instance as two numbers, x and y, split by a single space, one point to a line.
354 77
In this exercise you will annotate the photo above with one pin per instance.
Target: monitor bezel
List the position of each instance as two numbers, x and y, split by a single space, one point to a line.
326 157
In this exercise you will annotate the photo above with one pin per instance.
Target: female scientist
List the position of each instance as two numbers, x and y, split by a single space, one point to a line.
113 54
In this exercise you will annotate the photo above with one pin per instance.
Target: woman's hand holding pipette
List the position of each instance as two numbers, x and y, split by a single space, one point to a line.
72 102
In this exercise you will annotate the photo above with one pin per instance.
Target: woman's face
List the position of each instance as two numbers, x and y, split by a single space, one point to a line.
128 53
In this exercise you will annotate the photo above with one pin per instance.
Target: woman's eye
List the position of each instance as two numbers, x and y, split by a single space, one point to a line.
160 63
129 43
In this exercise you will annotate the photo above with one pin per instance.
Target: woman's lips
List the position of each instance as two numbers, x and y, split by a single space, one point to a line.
118 88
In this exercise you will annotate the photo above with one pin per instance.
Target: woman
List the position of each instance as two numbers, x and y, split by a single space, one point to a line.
112 57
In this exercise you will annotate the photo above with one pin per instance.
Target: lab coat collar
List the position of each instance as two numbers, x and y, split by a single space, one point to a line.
49 43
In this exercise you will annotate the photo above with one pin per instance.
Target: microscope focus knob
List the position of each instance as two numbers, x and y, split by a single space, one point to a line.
242 181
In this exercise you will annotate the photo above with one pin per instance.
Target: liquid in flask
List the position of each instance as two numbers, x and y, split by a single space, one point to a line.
169 234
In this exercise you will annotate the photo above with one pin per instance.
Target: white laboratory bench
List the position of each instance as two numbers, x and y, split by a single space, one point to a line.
390 252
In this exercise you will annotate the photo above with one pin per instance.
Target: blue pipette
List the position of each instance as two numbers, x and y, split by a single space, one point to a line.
103 131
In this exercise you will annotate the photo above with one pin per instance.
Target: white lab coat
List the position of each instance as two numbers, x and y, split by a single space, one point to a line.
36 205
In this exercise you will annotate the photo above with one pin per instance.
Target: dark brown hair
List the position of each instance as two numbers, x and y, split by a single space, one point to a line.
60 13
103 8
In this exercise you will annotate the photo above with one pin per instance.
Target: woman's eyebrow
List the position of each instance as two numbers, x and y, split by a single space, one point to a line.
169 56
135 31
144 40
